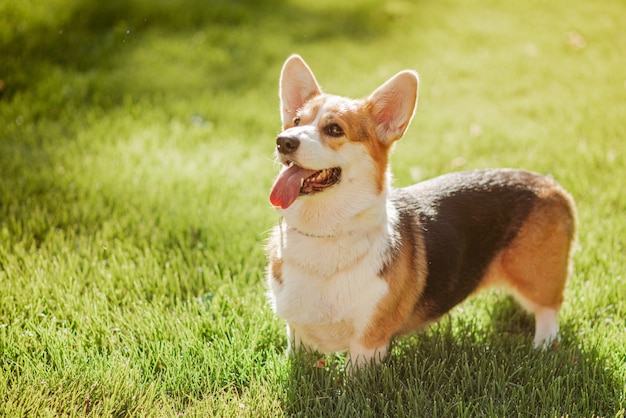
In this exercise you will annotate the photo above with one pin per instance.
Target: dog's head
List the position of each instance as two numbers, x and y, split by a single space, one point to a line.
335 150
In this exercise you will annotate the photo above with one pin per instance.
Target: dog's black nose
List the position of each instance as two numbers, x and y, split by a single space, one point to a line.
287 144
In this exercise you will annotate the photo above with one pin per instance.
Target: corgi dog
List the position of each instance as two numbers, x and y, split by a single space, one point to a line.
354 262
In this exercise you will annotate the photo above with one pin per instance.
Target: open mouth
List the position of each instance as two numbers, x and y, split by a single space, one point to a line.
320 180
297 181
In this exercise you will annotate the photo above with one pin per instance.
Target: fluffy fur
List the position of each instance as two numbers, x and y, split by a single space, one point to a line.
354 262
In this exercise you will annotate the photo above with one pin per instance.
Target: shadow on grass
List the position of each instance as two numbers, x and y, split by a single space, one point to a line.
92 35
459 370
86 59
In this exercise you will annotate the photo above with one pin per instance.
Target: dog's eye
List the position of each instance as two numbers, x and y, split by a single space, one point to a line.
296 121
334 130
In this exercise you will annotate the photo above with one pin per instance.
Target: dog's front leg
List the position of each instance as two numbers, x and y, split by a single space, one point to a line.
360 356
293 341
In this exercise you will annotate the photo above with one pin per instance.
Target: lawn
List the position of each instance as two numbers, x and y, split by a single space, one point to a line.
136 142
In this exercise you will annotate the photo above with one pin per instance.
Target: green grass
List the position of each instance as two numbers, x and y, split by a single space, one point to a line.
136 143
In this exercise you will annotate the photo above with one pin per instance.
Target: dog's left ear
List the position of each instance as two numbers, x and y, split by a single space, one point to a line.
297 86
393 105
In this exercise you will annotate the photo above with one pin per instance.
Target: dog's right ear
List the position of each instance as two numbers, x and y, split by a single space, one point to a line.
393 105
297 86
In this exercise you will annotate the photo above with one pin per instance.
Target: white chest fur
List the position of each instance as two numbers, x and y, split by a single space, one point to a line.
329 287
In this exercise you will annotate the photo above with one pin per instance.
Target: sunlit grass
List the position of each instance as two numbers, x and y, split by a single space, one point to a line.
136 157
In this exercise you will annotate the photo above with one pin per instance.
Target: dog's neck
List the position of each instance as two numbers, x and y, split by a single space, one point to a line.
325 253
280 225
368 221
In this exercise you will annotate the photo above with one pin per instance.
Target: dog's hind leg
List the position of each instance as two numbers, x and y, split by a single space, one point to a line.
546 327
535 266
546 321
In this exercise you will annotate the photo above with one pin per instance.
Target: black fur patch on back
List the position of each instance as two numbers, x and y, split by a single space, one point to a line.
465 219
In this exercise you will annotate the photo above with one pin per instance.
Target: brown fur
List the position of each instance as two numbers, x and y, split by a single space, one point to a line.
536 264
406 277
275 262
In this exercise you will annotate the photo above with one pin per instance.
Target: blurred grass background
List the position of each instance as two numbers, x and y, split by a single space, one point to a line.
136 143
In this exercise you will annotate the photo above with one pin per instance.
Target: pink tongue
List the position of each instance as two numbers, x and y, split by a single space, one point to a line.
287 186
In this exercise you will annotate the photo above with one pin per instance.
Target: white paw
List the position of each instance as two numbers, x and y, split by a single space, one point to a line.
546 327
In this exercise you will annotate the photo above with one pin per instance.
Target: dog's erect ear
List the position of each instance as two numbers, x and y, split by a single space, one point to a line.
393 105
297 85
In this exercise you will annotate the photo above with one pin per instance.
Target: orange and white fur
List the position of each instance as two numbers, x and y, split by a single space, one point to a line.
355 262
